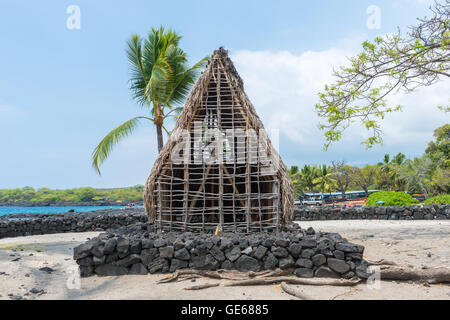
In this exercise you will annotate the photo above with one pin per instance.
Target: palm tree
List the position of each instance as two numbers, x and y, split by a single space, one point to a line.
297 181
397 162
386 173
160 81
308 175
325 179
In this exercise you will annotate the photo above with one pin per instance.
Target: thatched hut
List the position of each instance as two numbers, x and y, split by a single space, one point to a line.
218 168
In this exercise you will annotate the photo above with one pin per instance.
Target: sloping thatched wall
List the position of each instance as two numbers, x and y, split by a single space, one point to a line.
236 194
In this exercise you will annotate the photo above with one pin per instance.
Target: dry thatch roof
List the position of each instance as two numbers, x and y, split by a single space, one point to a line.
185 121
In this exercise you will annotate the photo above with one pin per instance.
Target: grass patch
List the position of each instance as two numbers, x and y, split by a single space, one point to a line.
21 247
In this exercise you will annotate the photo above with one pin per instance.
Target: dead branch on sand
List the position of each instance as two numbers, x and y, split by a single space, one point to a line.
388 271
381 262
293 280
430 275
203 286
183 274
294 292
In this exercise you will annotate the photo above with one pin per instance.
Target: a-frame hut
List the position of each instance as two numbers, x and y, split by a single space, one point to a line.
218 168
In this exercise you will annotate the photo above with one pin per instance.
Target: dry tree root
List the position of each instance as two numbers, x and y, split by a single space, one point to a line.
255 278
292 280
431 275
388 271
203 286
381 262
342 294
294 292
184 274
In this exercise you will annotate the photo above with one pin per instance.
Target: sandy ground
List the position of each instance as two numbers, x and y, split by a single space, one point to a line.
408 242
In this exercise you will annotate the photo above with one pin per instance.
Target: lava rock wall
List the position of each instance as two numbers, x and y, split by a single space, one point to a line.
16 225
139 250
427 212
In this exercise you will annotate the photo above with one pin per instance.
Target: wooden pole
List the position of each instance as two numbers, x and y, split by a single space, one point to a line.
219 144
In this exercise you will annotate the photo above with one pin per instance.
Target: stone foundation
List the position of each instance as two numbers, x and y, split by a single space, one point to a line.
139 250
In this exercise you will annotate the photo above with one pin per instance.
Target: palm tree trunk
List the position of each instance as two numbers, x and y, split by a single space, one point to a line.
160 137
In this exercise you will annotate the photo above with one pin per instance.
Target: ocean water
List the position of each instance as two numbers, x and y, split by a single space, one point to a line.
12 210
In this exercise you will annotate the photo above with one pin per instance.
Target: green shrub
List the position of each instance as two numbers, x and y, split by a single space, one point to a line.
440 199
391 199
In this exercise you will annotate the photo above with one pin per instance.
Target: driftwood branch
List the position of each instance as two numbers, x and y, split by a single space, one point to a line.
381 262
431 275
294 292
292 280
203 286
388 271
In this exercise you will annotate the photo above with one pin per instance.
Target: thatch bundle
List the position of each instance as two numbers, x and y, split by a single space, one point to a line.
233 194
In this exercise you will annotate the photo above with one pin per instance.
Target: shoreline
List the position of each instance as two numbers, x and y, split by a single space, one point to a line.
69 204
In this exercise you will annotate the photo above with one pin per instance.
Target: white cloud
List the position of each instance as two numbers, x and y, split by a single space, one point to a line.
404 3
8 110
283 87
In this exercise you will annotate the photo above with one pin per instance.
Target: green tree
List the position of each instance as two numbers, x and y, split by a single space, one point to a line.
389 172
342 174
325 179
365 177
418 175
439 150
160 81
308 176
293 170
297 183
389 64
85 194
396 164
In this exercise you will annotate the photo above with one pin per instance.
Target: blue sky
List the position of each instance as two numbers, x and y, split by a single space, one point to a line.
62 90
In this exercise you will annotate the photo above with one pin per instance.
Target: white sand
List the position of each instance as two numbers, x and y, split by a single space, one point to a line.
407 242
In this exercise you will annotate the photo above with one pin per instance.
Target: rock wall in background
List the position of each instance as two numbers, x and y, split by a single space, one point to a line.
15 225
34 224
428 212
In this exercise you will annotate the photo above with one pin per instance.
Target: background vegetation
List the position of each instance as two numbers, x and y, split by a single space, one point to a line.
390 199
428 174
86 194
440 199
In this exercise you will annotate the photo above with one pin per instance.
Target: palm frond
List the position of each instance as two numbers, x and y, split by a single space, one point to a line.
138 72
184 80
104 148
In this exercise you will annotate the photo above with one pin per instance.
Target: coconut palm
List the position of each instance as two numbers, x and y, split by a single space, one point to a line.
160 81
308 175
386 173
325 179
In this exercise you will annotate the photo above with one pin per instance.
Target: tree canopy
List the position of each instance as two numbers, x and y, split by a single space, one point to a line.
390 64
